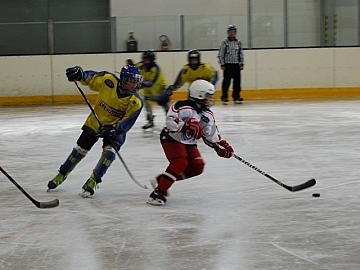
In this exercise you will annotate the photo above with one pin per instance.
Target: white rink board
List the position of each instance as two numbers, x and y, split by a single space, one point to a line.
264 69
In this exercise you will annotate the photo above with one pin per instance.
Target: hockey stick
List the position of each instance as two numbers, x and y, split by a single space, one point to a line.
302 186
49 204
116 151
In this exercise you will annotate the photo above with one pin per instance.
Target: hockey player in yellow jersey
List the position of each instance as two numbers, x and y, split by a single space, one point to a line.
117 107
154 85
194 70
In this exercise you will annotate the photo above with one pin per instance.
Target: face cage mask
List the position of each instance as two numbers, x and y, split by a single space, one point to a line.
196 65
206 102
136 78
150 64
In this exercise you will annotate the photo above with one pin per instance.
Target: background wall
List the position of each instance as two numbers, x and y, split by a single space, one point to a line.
205 22
102 26
174 7
261 24
289 69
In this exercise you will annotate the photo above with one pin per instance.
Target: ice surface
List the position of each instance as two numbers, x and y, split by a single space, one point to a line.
231 217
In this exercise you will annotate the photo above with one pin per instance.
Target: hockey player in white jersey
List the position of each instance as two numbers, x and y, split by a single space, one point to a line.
186 122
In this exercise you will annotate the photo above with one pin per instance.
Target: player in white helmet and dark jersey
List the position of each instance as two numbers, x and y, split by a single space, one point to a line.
186 122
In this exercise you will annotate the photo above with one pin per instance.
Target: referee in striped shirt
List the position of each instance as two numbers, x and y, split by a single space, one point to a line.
231 61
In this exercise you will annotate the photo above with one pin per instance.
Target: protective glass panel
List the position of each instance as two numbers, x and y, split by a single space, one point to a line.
27 38
23 11
303 23
267 23
206 32
84 37
148 31
346 23
78 10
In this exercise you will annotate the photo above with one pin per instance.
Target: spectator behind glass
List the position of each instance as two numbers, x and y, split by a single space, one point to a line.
165 43
131 43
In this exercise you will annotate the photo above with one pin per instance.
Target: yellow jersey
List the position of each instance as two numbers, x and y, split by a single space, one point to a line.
188 75
111 107
154 80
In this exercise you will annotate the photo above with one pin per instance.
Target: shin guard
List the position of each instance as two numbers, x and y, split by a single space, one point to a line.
73 159
107 157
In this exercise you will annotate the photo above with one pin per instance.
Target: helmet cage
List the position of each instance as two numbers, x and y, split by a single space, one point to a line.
130 74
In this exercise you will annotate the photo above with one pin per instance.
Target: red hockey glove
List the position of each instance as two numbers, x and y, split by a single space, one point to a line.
226 151
192 129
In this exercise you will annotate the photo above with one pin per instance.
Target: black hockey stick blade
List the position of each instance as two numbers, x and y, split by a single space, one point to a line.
302 186
42 205
49 204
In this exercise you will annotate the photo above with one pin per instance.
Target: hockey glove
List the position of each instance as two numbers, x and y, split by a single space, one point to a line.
107 131
74 74
163 99
192 129
169 91
225 151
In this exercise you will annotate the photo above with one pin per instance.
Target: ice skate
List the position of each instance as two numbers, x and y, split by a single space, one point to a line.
56 181
154 183
88 189
157 198
148 125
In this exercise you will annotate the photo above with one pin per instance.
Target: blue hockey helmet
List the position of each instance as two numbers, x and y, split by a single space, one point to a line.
130 73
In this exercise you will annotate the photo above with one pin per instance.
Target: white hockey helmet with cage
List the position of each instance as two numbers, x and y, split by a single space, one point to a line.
202 90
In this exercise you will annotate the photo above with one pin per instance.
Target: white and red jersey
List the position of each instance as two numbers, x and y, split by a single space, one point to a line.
180 111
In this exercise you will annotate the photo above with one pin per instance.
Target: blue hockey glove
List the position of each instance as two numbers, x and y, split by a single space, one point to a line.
169 91
163 99
107 131
74 74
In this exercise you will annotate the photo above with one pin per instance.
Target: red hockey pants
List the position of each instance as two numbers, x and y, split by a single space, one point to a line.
185 162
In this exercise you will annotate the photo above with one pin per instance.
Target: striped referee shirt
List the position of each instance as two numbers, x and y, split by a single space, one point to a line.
230 52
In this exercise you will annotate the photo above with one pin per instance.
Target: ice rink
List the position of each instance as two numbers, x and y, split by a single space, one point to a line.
230 217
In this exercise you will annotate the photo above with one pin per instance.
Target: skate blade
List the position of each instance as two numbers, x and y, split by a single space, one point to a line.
148 128
155 202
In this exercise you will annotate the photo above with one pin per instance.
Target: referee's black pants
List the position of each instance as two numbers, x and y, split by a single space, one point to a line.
231 71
